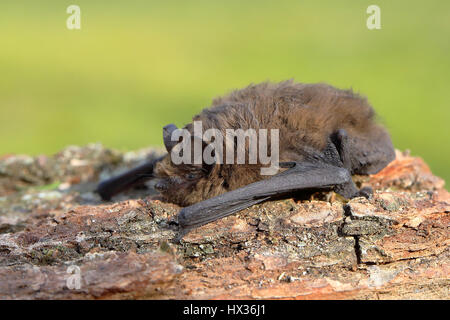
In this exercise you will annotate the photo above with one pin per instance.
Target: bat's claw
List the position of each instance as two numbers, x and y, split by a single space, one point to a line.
366 192
179 236
287 164
177 239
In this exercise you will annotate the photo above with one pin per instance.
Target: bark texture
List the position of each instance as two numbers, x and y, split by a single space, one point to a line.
59 241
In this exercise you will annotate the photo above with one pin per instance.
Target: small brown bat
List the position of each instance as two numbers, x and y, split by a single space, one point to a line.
325 136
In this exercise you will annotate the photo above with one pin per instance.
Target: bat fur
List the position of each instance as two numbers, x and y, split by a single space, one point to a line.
319 125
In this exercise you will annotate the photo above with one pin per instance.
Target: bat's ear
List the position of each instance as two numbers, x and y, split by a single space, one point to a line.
167 137
167 134
170 144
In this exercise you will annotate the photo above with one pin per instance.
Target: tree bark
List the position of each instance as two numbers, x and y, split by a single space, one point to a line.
61 242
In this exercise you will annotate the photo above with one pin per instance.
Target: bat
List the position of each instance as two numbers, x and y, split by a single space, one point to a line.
326 135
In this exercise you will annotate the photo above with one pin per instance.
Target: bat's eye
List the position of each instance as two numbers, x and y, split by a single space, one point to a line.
192 176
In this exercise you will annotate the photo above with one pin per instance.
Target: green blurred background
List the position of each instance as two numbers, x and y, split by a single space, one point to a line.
137 65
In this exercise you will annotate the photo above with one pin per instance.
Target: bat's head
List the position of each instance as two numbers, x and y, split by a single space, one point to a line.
185 184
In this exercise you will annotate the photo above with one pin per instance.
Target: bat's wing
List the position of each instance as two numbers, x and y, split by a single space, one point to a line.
138 175
126 180
302 176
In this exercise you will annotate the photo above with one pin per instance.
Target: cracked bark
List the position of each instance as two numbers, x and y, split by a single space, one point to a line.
394 245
